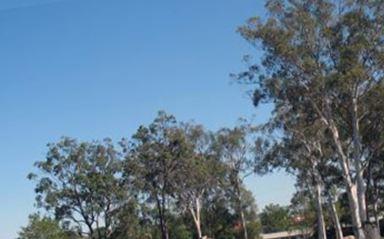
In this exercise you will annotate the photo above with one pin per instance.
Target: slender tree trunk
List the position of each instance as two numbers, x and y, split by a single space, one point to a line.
317 183
196 217
361 193
163 225
355 213
335 219
371 230
322 233
198 230
163 228
241 211
244 225
357 161
351 186
90 229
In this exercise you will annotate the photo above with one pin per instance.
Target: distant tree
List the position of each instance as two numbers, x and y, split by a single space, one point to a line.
199 175
43 228
153 160
221 217
235 152
79 183
275 218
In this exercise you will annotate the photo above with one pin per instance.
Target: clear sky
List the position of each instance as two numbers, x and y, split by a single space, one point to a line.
99 68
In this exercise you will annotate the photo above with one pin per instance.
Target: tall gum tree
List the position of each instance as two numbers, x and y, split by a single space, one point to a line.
323 57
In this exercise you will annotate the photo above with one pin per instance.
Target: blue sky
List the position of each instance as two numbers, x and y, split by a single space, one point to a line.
96 68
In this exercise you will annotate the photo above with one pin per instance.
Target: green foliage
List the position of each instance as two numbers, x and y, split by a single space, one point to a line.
179 229
80 182
172 180
275 218
322 68
221 217
43 228
153 160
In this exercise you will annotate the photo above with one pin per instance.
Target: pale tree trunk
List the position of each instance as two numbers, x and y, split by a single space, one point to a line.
335 219
357 160
322 233
244 225
317 183
241 211
195 212
355 213
351 186
372 230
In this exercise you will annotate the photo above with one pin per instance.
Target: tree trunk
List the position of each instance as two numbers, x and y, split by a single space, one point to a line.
322 233
163 228
357 161
90 229
163 225
198 230
244 225
335 219
241 211
196 217
355 213
351 186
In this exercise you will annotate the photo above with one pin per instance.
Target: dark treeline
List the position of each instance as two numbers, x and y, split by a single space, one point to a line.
321 70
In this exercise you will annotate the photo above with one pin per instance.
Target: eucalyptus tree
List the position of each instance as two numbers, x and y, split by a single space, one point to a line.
155 156
200 174
235 151
323 58
302 156
79 182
